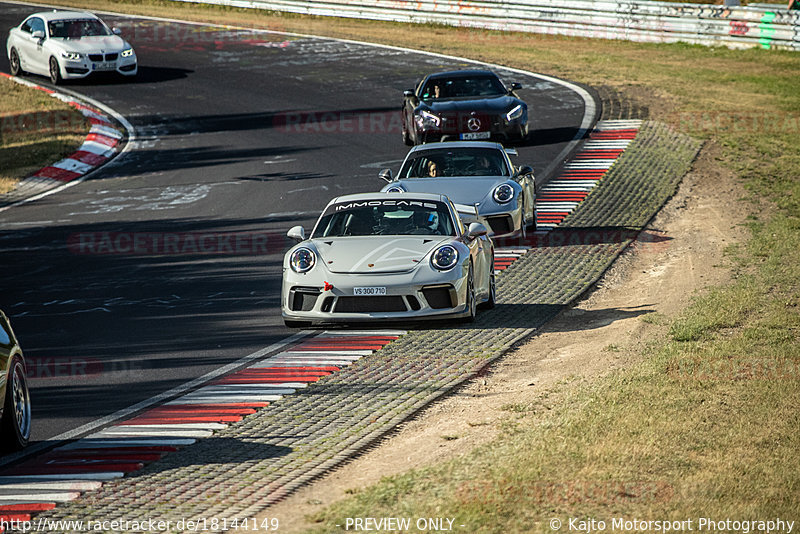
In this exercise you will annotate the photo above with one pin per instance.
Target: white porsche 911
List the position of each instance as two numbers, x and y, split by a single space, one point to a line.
374 256
68 45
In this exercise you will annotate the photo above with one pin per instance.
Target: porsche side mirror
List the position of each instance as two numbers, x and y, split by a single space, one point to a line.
476 229
38 34
297 233
516 86
386 174
526 169
116 31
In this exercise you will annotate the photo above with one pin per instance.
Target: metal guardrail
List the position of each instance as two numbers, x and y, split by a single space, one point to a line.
645 21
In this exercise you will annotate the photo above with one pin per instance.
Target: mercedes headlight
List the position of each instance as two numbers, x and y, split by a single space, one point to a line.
444 258
426 119
72 56
128 52
302 260
503 193
515 113
396 189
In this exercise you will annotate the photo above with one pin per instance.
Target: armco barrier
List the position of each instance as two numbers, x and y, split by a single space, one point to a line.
663 22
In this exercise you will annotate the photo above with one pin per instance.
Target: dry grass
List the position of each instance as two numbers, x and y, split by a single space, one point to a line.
35 129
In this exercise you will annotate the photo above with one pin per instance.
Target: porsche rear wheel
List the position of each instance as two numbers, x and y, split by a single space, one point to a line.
14 63
55 71
16 422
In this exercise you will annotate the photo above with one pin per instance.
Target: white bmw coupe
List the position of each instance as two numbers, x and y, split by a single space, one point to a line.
67 45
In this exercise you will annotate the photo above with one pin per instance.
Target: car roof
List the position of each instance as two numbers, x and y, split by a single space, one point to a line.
63 15
357 197
446 145
457 73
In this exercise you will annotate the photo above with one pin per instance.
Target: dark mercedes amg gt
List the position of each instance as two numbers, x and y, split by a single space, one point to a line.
465 104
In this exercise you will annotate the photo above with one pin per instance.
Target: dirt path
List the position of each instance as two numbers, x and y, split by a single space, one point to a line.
682 252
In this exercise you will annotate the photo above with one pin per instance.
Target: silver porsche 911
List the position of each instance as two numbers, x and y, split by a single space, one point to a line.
478 176
374 256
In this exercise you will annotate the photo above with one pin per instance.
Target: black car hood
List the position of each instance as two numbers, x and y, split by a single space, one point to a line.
498 104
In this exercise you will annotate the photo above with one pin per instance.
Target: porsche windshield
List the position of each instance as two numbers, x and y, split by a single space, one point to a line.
462 87
385 217
467 161
77 28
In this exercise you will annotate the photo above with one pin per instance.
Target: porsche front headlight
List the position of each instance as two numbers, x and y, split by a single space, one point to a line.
444 258
302 260
515 113
396 189
503 193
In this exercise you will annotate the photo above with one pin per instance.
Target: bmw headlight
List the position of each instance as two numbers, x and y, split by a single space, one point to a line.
72 56
515 113
444 258
128 52
396 189
426 119
302 260
503 193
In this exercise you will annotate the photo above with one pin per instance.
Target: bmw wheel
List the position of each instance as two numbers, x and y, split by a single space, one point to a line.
55 71
13 60
16 422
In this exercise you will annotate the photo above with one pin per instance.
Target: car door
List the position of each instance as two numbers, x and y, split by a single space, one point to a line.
30 48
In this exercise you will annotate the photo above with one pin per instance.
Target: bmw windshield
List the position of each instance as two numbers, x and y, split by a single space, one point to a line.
77 28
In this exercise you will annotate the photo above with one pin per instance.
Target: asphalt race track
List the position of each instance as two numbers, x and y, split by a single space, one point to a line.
238 136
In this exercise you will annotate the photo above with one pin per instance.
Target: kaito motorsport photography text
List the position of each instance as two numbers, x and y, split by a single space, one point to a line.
702 524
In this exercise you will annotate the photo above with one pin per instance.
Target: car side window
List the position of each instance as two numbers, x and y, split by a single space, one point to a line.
37 24
26 26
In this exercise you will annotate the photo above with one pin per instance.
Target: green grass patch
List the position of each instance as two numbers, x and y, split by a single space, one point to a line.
35 130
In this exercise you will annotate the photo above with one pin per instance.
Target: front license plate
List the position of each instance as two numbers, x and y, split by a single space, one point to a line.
368 291
475 135
104 66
